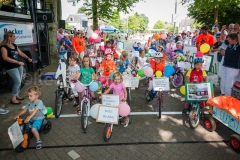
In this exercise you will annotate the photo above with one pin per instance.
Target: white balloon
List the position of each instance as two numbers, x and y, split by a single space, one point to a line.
94 35
94 110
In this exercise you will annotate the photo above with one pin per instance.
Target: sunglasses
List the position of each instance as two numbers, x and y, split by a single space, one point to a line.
218 37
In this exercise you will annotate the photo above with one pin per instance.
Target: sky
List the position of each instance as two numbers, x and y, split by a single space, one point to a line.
154 9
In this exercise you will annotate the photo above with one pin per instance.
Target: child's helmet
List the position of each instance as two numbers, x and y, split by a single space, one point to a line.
158 55
198 58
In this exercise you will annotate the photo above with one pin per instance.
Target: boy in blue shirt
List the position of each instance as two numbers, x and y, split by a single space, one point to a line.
138 48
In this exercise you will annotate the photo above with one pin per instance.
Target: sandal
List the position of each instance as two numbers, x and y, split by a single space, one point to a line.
18 98
39 145
126 122
184 111
11 102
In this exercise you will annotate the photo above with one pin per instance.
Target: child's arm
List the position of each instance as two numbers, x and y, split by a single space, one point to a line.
21 113
138 63
205 79
94 76
100 69
31 115
78 74
125 94
106 92
59 50
133 66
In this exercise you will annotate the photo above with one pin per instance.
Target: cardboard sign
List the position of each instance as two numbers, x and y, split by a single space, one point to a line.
15 134
130 81
108 114
181 64
207 64
161 83
111 100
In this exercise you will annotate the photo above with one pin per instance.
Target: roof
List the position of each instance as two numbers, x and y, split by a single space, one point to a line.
76 17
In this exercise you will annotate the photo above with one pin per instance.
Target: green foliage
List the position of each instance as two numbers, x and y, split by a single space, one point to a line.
214 11
81 9
159 25
67 26
138 22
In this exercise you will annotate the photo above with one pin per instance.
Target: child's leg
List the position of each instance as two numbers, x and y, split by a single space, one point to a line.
93 97
150 85
35 127
126 121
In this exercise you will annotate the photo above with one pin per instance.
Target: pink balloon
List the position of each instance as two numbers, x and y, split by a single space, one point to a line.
164 36
97 31
168 45
98 40
79 87
103 80
124 109
148 71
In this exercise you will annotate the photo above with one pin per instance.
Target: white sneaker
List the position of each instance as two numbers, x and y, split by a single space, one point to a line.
3 111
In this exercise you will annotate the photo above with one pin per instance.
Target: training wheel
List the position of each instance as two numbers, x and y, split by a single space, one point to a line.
209 124
235 142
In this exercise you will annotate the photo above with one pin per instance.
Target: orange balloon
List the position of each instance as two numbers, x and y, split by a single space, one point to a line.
157 36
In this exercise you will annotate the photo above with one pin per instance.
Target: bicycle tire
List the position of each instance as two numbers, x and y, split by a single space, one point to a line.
194 117
129 96
176 82
159 105
107 133
84 117
58 103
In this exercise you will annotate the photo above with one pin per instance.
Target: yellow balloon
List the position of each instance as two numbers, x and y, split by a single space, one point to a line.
182 90
50 115
158 74
204 48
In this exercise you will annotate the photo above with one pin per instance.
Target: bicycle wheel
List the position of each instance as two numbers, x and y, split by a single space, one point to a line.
84 117
107 133
159 105
194 117
177 80
70 94
58 103
128 96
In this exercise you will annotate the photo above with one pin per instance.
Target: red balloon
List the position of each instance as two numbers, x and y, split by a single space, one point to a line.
91 39
103 80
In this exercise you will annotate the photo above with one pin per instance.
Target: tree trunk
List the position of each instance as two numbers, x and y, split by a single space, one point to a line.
95 14
216 16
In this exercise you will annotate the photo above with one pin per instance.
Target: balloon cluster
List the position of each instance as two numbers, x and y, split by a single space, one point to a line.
148 72
49 112
95 37
80 88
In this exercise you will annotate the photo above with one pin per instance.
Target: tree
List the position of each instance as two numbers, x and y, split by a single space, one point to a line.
67 26
158 25
195 25
212 10
103 10
115 20
81 9
138 22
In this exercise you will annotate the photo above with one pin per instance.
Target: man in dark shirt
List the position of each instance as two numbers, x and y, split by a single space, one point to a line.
216 47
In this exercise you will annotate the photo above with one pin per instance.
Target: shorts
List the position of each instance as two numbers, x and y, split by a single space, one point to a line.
36 123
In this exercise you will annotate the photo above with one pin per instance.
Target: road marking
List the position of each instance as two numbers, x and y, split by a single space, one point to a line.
131 114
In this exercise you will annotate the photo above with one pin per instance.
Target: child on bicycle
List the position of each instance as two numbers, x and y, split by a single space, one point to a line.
72 72
37 112
87 75
124 62
157 65
118 88
62 51
178 53
196 75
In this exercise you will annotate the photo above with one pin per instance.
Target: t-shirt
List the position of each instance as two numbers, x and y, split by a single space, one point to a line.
137 49
11 53
123 66
86 75
177 51
202 38
108 67
67 42
31 106
60 36
232 56
62 51
142 61
108 50
147 55
157 67
78 43
196 76
118 89
72 70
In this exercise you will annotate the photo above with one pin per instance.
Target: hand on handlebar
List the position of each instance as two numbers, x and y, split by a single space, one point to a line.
16 118
124 100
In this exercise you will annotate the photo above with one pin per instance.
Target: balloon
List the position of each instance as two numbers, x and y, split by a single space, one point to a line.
164 36
158 74
94 35
124 109
148 71
94 110
49 110
93 86
97 31
79 87
182 90
156 36
167 50
50 115
111 76
168 45
98 40
103 80
204 48
102 44
168 70
141 72
91 39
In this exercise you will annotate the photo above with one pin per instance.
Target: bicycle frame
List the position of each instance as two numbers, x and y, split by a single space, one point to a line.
160 98
86 99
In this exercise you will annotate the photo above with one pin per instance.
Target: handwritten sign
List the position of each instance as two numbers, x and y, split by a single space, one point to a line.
15 134
207 64
108 114
111 100
161 83
130 81
226 119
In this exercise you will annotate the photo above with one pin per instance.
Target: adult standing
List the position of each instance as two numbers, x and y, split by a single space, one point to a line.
78 45
231 63
194 38
216 31
205 37
10 54
60 34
